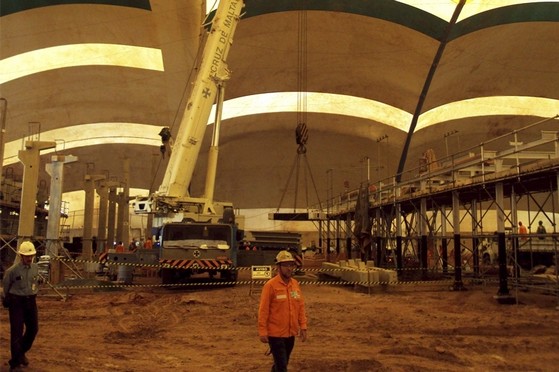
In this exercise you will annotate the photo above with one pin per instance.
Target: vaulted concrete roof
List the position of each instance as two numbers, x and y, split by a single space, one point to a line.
386 80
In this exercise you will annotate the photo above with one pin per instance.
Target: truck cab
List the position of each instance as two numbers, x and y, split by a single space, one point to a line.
190 248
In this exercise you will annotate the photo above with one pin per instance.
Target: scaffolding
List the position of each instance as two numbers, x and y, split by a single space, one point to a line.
459 215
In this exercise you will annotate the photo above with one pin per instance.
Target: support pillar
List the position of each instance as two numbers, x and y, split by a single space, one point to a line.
516 239
475 238
328 242
399 258
458 284
120 219
444 242
338 243
111 217
320 233
56 171
89 205
379 261
348 243
503 295
103 192
423 254
102 189
124 204
30 157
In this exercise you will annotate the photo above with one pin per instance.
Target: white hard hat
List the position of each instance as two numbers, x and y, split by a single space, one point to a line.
27 249
284 256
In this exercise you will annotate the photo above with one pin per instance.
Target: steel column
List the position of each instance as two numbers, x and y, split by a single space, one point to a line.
458 284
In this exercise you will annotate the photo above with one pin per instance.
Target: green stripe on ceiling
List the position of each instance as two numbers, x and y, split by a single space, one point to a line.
388 10
411 17
8 7
534 12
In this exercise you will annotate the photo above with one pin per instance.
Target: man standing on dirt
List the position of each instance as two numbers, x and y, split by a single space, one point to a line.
281 315
20 286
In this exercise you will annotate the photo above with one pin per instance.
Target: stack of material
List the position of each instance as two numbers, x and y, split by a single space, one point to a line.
359 272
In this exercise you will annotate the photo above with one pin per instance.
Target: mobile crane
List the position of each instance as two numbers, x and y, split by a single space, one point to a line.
198 234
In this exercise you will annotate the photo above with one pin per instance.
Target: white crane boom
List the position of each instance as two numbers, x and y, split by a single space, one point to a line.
212 72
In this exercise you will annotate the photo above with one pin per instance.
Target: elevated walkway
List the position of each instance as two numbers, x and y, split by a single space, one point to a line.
467 172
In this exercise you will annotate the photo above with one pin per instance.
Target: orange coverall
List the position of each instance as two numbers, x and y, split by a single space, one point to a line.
282 309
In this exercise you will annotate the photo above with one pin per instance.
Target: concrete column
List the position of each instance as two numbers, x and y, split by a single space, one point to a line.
149 223
56 171
124 203
30 157
111 218
89 205
103 192
120 219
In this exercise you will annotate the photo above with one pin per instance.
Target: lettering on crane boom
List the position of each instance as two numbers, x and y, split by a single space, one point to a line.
261 272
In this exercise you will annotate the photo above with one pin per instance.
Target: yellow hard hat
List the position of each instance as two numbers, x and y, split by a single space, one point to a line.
27 249
284 256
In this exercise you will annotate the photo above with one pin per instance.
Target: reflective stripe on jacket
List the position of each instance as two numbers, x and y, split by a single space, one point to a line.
282 309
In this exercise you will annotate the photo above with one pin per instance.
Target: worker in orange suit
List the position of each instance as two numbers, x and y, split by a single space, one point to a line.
281 314
119 248
148 244
522 230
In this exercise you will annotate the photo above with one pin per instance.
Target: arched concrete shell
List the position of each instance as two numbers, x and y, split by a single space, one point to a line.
376 50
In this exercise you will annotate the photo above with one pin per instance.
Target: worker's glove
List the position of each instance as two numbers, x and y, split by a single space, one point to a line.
5 302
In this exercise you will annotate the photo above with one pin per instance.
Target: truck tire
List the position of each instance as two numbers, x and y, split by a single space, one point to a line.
229 275
167 276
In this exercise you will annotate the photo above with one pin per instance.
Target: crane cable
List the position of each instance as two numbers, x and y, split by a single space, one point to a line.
301 131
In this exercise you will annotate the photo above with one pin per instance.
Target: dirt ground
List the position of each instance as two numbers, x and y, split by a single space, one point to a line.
207 328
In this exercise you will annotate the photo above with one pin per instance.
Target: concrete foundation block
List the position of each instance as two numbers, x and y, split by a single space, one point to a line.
368 278
348 275
388 276
331 269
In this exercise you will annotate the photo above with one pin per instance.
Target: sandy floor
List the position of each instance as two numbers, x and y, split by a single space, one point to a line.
402 328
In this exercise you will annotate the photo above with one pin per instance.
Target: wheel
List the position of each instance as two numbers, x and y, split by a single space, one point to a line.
230 275
167 276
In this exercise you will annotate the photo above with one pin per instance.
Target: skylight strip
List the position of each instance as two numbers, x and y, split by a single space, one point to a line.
327 103
489 106
73 55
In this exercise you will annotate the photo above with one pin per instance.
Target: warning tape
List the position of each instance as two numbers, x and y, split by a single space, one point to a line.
238 268
262 282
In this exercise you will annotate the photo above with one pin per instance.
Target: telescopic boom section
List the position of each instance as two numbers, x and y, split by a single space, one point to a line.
212 73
